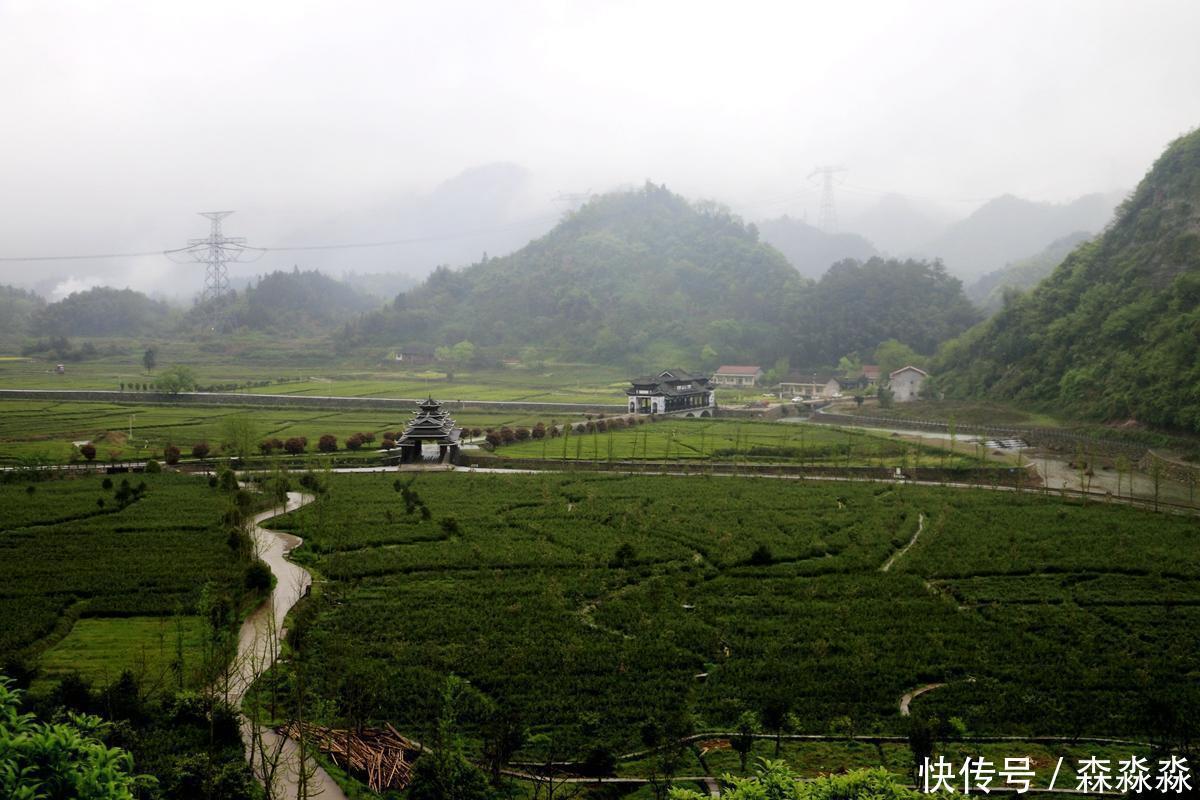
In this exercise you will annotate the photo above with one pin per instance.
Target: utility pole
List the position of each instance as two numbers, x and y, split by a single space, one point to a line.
827 219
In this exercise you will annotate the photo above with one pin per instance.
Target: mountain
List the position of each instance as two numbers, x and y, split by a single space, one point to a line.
17 309
897 224
636 277
857 305
1114 331
293 302
1009 228
988 291
810 250
102 311
493 208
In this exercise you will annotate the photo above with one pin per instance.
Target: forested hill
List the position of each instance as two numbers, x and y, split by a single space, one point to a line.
631 277
810 250
1114 332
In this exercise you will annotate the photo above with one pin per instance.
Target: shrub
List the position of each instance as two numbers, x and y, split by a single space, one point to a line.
295 445
539 431
367 437
388 443
507 436
476 433
153 467
327 443
601 425
522 434
257 577
761 556
88 451
200 450
493 439
171 454
353 442
266 446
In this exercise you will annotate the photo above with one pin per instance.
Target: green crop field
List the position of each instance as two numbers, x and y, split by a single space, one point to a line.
87 581
593 605
45 430
729 440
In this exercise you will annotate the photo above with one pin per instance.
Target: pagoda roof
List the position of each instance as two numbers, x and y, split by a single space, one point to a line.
430 424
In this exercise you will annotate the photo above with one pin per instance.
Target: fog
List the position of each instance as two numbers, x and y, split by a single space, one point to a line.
472 126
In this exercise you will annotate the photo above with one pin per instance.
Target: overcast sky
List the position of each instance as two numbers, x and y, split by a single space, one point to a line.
122 119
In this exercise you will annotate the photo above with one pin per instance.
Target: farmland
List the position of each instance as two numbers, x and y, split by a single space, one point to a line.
592 606
764 442
99 586
45 430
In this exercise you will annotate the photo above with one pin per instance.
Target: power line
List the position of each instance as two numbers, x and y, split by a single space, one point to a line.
293 248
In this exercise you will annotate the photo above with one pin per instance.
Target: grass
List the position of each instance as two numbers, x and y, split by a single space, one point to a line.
100 649
589 604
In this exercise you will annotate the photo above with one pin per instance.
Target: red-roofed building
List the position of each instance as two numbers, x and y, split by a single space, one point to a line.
734 375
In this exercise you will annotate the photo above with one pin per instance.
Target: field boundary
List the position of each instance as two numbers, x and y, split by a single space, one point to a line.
292 400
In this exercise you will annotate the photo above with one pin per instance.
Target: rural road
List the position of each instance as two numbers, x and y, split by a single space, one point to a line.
258 648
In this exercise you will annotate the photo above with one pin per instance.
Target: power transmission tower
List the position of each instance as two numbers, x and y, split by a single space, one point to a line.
215 252
827 219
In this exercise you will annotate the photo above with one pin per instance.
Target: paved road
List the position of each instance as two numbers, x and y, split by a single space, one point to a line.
258 648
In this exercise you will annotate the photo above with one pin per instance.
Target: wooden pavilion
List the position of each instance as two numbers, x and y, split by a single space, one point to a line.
430 425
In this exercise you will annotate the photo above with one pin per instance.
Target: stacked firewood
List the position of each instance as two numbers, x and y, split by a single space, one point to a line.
381 754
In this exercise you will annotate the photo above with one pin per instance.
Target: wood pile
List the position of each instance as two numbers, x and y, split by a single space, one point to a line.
381 754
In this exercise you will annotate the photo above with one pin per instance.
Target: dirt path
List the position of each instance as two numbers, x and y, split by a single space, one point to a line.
907 698
258 648
895 556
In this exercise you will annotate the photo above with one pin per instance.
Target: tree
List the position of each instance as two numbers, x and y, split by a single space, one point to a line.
175 379
88 451
200 450
171 454
777 781
239 433
776 718
743 742
150 359
295 445
67 759
327 443
354 441
891 355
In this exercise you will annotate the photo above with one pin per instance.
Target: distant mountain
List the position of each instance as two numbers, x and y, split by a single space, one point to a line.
17 309
988 291
810 250
1008 228
638 277
897 225
490 208
102 311
292 302
383 286
1114 331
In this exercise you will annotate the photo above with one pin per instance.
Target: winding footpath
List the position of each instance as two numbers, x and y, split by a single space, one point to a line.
258 648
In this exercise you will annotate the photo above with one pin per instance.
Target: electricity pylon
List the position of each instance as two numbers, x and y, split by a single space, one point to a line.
827 219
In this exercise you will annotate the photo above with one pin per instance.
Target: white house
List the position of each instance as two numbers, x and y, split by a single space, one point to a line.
810 386
672 391
906 383
732 375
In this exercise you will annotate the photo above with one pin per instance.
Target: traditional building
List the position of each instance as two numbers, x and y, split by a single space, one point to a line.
906 383
672 391
810 387
429 425
734 375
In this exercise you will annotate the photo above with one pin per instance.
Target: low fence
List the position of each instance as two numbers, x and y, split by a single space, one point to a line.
294 400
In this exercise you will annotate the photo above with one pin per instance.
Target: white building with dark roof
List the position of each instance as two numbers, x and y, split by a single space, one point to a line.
672 391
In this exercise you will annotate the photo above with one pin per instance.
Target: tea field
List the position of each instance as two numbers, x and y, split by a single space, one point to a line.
597 607
732 440
92 585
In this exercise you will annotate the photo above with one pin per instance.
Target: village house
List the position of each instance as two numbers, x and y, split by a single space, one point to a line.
737 376
672 391
905 383
810 387
413 358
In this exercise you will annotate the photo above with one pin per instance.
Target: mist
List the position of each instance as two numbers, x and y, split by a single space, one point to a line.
472 128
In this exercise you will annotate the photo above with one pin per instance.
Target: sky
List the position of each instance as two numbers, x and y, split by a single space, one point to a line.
325 122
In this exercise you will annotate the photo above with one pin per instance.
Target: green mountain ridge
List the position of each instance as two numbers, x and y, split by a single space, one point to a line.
1114 331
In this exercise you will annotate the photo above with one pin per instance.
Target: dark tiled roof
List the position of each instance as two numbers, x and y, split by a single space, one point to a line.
666 383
